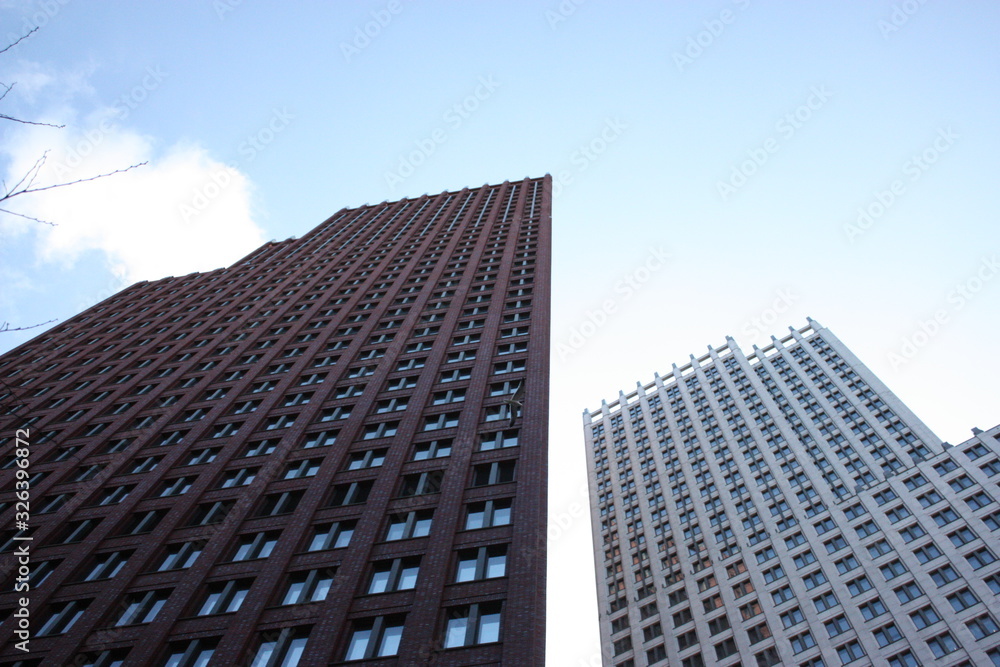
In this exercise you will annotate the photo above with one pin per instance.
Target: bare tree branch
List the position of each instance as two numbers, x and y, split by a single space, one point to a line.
28 217
5 326
19 40
29 190
27 122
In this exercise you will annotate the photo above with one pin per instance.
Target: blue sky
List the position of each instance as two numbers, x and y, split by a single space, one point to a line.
753 163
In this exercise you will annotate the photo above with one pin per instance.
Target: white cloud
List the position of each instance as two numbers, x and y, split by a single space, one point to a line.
181 212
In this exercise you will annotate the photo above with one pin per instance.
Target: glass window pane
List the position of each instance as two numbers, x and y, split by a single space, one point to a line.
322 588
295 651
380 582
422 528
264 654
466 570
489 628
359 642
501 516
390 640
408 578
455 634
496 566
294 591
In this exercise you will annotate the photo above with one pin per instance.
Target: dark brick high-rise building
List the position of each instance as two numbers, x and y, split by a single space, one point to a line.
331 452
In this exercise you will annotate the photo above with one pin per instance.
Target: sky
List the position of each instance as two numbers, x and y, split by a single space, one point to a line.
721 168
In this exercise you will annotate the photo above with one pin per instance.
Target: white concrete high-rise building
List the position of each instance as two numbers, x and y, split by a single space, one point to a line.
785 508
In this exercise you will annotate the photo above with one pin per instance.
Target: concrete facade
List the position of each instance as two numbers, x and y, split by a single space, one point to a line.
785 508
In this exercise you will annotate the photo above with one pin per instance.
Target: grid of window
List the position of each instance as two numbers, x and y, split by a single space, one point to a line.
796 459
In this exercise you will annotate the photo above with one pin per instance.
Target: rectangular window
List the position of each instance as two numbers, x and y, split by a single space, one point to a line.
488 513
473 624
375 637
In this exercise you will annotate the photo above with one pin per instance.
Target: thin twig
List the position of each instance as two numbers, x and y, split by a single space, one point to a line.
19 40
28 217
60 185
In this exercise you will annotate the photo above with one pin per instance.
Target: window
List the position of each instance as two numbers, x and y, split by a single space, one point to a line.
942 645
195 653
980 558
498 440
371 458
792 617
225 597
62 617
240 477
850 652
332 536
200 456
302 468
892 570
913 532
825 601
924 617
107 565
321 439
782 595
180 556
142 607
255 545
284 651
375 637
482 563
432 450
311 586
176 486
759 633
411 524
261 448
488 513
472 624
837 626
350 493
944 575
908 592
814 579
859 586
887 634
114 495
381 430
872 608
802 642
210 513
394 575
421 483
280 503
982 626
962 600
